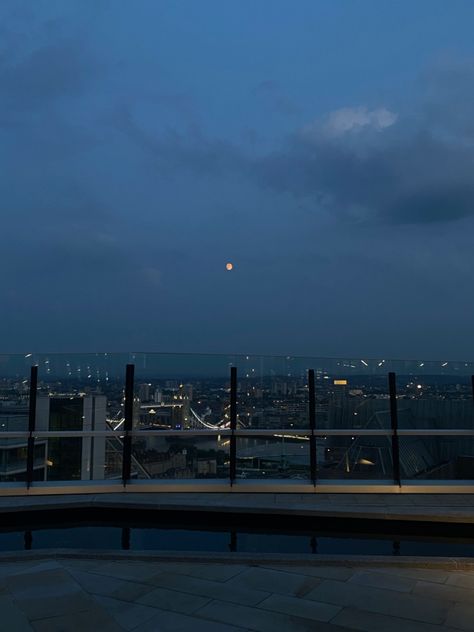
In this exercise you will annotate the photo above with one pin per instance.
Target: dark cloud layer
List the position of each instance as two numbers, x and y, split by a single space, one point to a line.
412 167
406 177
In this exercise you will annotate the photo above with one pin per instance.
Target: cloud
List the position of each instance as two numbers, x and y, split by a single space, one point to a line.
411 176
46 67
174 151
43 76
411 166
357 119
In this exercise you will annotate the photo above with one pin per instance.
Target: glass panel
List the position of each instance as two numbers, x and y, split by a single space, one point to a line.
14 410
436 458
272 392
180 457
80 391
275 456
351 394
181 391
84 458
354 457
113 460
64 459
434 395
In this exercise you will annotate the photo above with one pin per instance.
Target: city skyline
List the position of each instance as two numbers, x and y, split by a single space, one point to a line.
323 148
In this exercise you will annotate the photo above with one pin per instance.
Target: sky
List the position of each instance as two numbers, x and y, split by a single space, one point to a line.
324 147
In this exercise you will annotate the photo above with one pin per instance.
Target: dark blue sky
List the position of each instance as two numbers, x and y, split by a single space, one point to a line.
325 147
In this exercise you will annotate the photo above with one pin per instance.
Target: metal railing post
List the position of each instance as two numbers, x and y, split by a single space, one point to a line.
392 388
30 451
128 424
312 425
233 424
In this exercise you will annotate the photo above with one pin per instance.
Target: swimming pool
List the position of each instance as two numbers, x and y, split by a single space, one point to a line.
145 530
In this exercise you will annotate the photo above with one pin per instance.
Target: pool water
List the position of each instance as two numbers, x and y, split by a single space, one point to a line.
83 536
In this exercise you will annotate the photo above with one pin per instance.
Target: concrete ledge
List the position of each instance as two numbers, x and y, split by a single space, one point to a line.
216 486
409 508
448 563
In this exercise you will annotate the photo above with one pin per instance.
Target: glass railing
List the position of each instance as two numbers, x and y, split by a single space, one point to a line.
84 420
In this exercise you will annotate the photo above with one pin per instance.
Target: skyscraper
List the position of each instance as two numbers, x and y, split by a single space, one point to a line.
73 458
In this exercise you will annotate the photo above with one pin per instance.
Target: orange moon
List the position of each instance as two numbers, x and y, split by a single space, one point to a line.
228 266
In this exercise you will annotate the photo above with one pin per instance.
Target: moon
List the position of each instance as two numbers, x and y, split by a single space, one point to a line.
229 266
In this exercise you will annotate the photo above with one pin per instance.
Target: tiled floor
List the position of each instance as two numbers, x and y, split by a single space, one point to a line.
68 595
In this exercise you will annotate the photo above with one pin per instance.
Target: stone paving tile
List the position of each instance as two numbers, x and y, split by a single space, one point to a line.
324 572
110 587
214 572
463 580
128 615
42 565
373 622
437 576
461 616
300 607
28 581
12 617
81 565
382 601
165 621
97 595
274 581
94 619
444 591
383 580
174 600
13 568
53 606
212 590
47 594
262 620
140 571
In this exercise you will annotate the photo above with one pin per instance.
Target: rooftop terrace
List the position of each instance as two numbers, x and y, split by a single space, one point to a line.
235 442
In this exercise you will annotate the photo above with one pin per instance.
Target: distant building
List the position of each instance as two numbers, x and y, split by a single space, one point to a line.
144 392
13 452
158 396
73 458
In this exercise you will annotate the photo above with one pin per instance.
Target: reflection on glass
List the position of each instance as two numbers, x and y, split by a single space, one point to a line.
437 457
434 402
79 458
275 456
354 457
355 402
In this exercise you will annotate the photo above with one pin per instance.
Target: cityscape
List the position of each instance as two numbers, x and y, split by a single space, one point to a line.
181 426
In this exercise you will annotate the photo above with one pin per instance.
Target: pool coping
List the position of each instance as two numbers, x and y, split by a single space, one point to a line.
414 508
283 559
